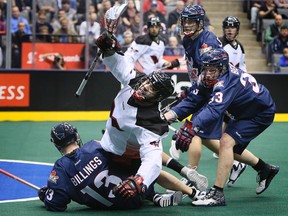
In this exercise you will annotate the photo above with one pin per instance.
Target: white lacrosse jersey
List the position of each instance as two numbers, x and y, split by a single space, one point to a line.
146 54
236 53
140 126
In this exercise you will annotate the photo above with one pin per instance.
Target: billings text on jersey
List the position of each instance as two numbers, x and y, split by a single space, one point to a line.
86 171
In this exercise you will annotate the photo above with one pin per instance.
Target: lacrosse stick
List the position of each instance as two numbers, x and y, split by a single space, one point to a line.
111 20
19 179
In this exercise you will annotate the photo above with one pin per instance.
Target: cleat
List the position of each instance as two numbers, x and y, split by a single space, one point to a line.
196 194
236 170
198 180
165 200
212 198
265 177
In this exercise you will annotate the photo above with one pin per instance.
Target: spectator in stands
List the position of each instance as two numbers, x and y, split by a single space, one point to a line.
3 10
153 12
255 6
65 34
268 10
18 38
127 40
16 18
94 28
283 62
174 48
273 30
56 21
147 4
281 3
103 7
136 28
50 6
43 35
41 21
70 12
173 17
280 42
128 17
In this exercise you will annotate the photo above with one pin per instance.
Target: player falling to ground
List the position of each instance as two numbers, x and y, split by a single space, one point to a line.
146 53
88 175
135 128
251 110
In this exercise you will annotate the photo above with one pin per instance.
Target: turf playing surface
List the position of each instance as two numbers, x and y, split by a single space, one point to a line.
29 141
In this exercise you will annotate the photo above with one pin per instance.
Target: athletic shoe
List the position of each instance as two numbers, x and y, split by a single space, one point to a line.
171 199
198 180
216 156
196 194
235 172
265 177
174 153
214 197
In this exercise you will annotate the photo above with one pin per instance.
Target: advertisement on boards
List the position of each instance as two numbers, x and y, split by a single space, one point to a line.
14 90
43 55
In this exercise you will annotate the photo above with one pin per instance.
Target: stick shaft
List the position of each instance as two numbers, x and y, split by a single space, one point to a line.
19 179
87 75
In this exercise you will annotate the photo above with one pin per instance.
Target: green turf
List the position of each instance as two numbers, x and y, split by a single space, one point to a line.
30 141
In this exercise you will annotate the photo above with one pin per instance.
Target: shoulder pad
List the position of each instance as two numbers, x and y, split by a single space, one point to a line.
144 40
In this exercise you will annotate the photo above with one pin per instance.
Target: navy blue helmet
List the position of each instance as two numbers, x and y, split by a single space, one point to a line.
217 59
64 134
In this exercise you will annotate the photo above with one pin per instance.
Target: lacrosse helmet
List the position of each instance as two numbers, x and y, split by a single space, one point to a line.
214 63
154 21
162 85
192 19
231 21
64 134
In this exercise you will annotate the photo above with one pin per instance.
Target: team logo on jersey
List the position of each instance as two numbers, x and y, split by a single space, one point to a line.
204 48
53 177
155 143
219 84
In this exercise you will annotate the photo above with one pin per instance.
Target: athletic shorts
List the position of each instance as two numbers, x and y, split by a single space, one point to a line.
243 131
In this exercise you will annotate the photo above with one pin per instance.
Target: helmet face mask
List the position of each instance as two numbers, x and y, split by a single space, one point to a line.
213 64
154 26
154 87
231 26
63 135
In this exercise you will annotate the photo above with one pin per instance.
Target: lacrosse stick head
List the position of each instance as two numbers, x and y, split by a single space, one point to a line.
112 17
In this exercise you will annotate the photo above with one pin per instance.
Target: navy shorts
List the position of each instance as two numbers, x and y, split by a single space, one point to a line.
243 131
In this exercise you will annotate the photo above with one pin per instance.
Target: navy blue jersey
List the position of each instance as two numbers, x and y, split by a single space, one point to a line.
86 177
195 47
238 95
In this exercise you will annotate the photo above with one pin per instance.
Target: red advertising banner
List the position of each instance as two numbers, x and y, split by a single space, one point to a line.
14 90
70 52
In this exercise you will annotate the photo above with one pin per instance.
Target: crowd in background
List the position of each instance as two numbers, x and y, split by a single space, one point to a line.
65 21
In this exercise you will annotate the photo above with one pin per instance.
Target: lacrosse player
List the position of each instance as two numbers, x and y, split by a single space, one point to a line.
89 175
146 52
136 127
220 88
